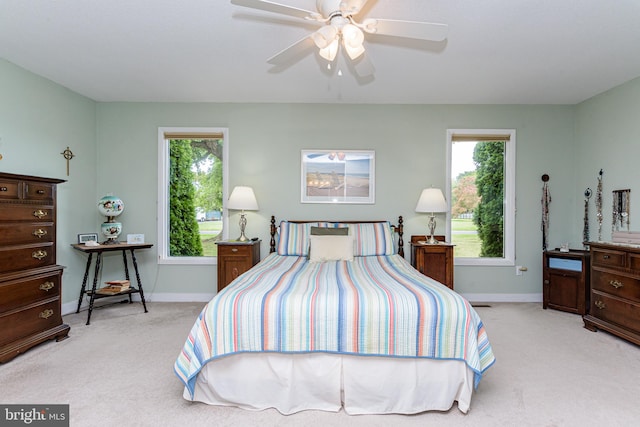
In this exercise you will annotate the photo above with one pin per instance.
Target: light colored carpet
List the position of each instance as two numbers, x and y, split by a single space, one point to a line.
118 371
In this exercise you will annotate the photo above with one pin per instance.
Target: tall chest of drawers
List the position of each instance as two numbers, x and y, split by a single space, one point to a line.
615 290
30 279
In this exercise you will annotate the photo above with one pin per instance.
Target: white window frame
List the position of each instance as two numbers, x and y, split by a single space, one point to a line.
509 196
163 194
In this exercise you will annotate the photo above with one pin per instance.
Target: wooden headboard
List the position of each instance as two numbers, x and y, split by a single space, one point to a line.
274 230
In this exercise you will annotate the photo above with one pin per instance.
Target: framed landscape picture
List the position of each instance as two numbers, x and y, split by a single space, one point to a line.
338 176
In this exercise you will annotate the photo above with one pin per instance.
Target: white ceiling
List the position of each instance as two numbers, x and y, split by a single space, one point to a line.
497 52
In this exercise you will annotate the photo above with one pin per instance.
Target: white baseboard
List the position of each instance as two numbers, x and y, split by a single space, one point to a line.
71 307
503 297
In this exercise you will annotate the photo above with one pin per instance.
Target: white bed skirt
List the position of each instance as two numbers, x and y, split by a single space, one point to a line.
329 382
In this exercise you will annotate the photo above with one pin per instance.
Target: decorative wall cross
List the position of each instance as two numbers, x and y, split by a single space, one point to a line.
68 154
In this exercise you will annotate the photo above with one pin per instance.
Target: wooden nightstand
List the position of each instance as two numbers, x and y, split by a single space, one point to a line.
234 258
435 261
565 280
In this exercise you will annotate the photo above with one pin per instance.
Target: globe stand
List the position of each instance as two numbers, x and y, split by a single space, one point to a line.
111 229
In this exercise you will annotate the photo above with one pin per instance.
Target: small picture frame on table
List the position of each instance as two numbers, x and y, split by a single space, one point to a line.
87 237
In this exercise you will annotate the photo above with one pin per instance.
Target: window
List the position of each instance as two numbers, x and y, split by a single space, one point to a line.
192 172
481 191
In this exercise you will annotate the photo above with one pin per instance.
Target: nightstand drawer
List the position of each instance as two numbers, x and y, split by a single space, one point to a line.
234 250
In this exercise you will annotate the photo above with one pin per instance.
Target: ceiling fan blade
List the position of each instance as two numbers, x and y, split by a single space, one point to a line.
363 66
292 52
409 29
278 8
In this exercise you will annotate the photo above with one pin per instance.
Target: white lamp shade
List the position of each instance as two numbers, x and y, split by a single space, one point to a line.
242 198
431 200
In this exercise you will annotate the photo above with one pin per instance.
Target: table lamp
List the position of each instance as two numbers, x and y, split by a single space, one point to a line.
243 199
431 200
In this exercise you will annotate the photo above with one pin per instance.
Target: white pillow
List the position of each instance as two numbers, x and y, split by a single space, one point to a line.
331 248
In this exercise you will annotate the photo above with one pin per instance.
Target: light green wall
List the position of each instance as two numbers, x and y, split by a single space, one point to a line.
38 120
116 151
410 143
608 138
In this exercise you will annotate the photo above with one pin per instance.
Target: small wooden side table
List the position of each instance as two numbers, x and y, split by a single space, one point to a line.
99 250
565 280
433 260
234 258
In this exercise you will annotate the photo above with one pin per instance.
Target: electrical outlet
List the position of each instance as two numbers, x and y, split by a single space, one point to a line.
518 270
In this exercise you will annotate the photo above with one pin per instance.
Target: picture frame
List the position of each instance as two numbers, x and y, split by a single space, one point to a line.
87 237
337 176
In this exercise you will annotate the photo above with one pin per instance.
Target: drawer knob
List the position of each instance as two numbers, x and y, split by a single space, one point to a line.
39 254
600 305
46 313
234 249
39 233
616 283
39 214
47 286
605 256
40 191
4 189
546 282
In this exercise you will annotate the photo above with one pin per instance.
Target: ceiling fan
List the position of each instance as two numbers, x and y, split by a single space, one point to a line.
340 28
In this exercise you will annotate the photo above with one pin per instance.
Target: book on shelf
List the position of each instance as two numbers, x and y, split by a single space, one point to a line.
114 287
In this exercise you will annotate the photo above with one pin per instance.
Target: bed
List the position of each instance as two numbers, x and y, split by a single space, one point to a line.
335 318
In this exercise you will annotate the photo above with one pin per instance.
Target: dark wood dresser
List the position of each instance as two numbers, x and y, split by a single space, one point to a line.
30 279
615 290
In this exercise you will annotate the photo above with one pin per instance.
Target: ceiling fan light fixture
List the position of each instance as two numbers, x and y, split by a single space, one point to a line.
325 36
329 53
353 39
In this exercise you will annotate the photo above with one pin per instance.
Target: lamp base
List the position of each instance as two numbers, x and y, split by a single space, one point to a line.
243 225
431 240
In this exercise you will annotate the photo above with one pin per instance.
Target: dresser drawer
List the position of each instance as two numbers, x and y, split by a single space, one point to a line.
15 233
38 191
13 258
616 310
27 290
17 212
35 318
616 284
9 189
608 258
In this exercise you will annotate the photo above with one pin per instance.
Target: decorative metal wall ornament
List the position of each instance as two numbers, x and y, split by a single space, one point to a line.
68 155
585 230
546 200
620 210
599 205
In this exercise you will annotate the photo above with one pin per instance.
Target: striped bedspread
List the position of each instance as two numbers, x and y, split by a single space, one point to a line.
374 306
